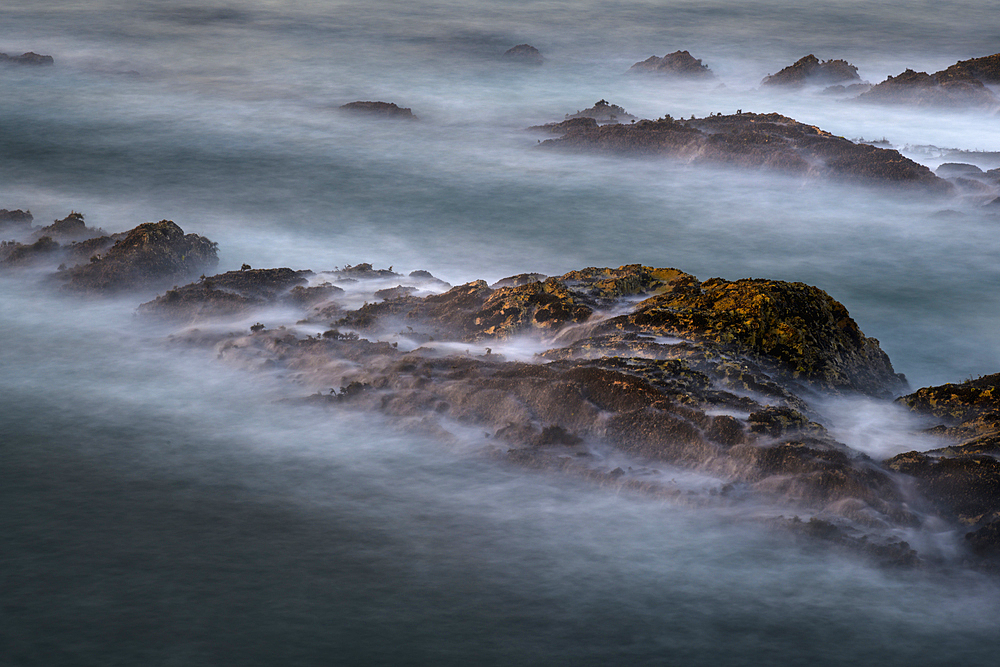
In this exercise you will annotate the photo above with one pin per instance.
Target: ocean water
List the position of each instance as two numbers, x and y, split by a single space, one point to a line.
161 508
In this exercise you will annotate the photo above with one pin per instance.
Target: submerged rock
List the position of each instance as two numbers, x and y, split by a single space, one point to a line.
524 54
811 70
770 141
679 64
379 110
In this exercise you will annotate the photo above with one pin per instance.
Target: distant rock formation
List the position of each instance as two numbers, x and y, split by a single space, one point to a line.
680 64
524 54
605 112
379 110
810 70
752 140
29 58
921 89
959 86
985 70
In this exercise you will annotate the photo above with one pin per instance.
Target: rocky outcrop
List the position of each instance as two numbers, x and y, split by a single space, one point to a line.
71 228
749 140
942 89
604 112
233 293
985 70
811 70
29 58
378 110
15 223
962 479
523 54
152 255
679 64
717 389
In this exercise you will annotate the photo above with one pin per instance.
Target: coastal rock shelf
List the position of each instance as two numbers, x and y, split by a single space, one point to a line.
628 377
748 140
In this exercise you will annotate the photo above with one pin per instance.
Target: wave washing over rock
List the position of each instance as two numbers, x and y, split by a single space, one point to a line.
715 377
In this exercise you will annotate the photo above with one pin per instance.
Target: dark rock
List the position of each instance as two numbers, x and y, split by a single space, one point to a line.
810 70
379 110
234 293
150 255
604 112
957 169
44 250
523 54
70 228
16 223
752 140
29 58
518 280
986 70
679 64
921 89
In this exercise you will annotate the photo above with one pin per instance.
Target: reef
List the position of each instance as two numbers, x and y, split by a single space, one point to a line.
379 110
639 371
811 70
523 54
679 64
749 140
627 377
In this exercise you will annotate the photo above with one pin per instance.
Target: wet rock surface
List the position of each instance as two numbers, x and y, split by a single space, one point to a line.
679 64
750 140
640 371
811 70
961 479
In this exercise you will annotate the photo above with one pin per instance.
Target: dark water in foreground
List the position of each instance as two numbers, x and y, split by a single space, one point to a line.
158 508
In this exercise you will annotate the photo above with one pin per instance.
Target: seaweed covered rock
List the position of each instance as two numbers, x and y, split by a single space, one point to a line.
523 54
149 256
679 64
811 70
378 110
749 140
800 329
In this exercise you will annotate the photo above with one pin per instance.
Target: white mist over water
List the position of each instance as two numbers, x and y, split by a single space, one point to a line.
160 507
